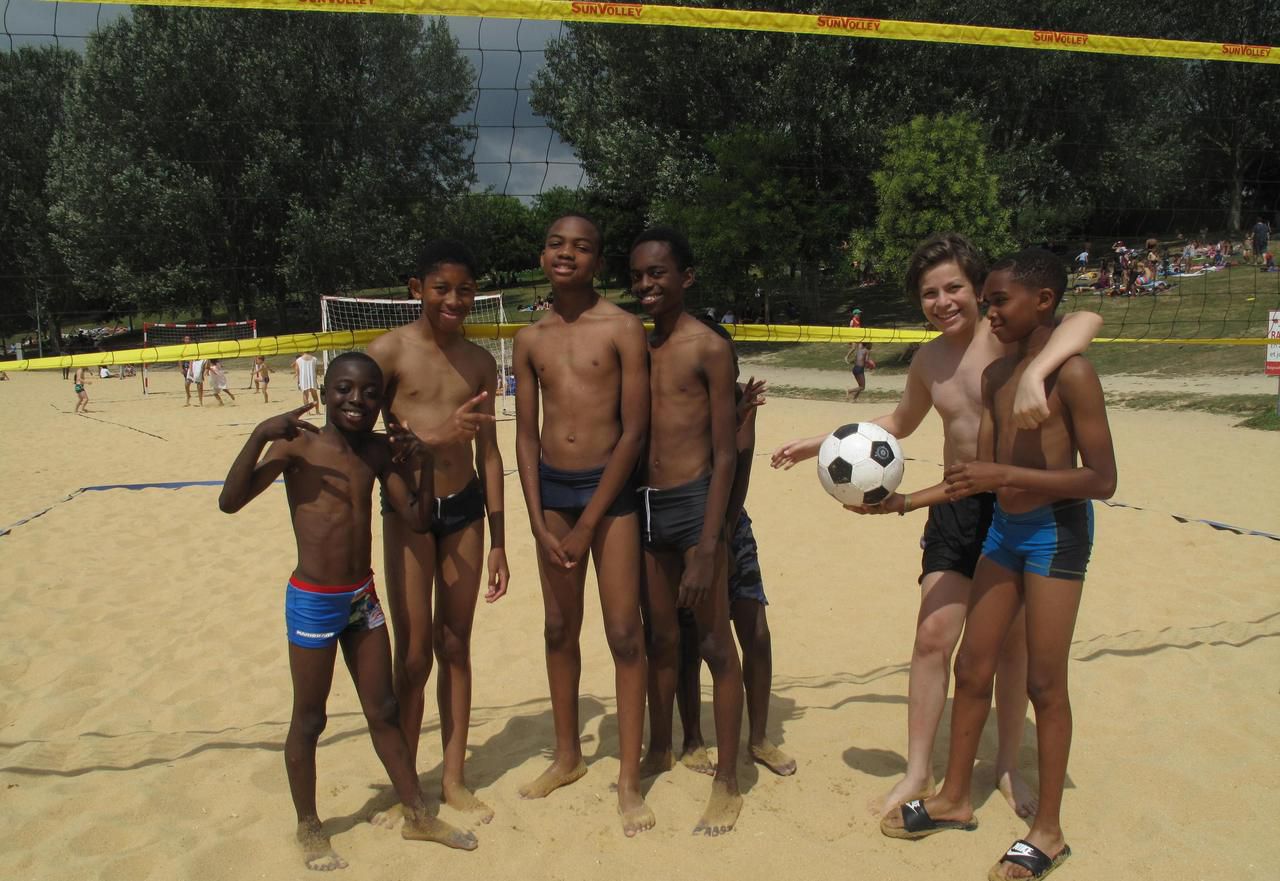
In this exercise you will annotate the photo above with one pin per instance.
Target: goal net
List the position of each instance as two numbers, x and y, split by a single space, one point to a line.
359 313
156 334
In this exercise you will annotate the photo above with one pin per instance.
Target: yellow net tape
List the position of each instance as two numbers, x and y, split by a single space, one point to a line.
778 22
341 340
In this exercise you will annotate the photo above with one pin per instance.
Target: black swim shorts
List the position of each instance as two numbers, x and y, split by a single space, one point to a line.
745 581
673 518
952 540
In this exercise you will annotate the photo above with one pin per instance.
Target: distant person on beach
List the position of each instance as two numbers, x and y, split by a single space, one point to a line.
584 366
304 372
195 376
185 367
82 393
218 380
330 598
264 378
859 359
1261 236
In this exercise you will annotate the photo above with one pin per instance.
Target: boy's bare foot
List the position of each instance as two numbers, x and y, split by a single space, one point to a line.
553 778
654 764
317 854
391 818
903 791
696 758
462 799
636 816
722 811
768 754
420 827
1021 797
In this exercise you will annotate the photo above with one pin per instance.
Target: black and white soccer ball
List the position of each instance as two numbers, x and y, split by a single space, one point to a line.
860 464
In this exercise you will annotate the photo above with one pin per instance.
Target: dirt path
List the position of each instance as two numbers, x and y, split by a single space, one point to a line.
1252 384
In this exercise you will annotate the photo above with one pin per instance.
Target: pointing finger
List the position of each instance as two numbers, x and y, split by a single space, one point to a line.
474 402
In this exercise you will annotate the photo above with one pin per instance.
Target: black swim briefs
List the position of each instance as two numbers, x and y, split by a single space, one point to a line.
572 491
453 513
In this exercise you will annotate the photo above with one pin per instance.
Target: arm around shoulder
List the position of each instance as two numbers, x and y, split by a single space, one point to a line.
1081 393
1071 337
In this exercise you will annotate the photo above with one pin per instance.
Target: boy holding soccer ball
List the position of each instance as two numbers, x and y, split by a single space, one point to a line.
1034 557
945 275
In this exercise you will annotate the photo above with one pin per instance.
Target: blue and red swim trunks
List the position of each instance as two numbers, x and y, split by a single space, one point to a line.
317 615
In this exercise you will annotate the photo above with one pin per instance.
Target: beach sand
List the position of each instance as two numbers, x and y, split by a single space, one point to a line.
144 689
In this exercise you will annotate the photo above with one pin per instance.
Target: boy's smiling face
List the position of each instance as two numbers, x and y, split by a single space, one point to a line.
656 280
948 299
448 293
571 253
353 395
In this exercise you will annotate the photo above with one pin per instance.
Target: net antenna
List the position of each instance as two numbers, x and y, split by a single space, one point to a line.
362 313
156 334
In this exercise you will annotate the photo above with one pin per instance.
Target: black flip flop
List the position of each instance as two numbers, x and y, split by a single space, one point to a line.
916 823
1028 856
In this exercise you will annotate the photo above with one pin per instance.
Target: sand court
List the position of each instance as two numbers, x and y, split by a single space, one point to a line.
144 688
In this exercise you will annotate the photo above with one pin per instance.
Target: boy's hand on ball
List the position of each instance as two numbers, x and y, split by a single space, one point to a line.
970 478
894 503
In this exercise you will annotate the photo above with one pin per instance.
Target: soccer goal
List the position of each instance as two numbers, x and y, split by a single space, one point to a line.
154 334
360 313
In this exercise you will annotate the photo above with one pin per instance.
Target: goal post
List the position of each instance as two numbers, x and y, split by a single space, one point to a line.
365 313
169 334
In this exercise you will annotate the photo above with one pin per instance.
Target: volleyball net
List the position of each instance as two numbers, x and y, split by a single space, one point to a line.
804 151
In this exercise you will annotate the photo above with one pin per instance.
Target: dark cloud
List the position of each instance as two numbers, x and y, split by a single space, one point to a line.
514 151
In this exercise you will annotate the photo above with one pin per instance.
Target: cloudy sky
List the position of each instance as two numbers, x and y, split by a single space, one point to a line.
515 152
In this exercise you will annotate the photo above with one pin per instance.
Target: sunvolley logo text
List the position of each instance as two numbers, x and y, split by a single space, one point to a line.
845 23
1246 50
614 10
1060 38
336 2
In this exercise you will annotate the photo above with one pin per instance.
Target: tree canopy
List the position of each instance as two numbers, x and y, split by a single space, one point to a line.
213 156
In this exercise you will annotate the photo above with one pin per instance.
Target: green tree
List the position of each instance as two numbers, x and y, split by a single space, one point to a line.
231 157
33 277
497 228
934 176
744 220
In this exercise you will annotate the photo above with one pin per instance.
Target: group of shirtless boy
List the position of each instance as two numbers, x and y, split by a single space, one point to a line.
640 461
